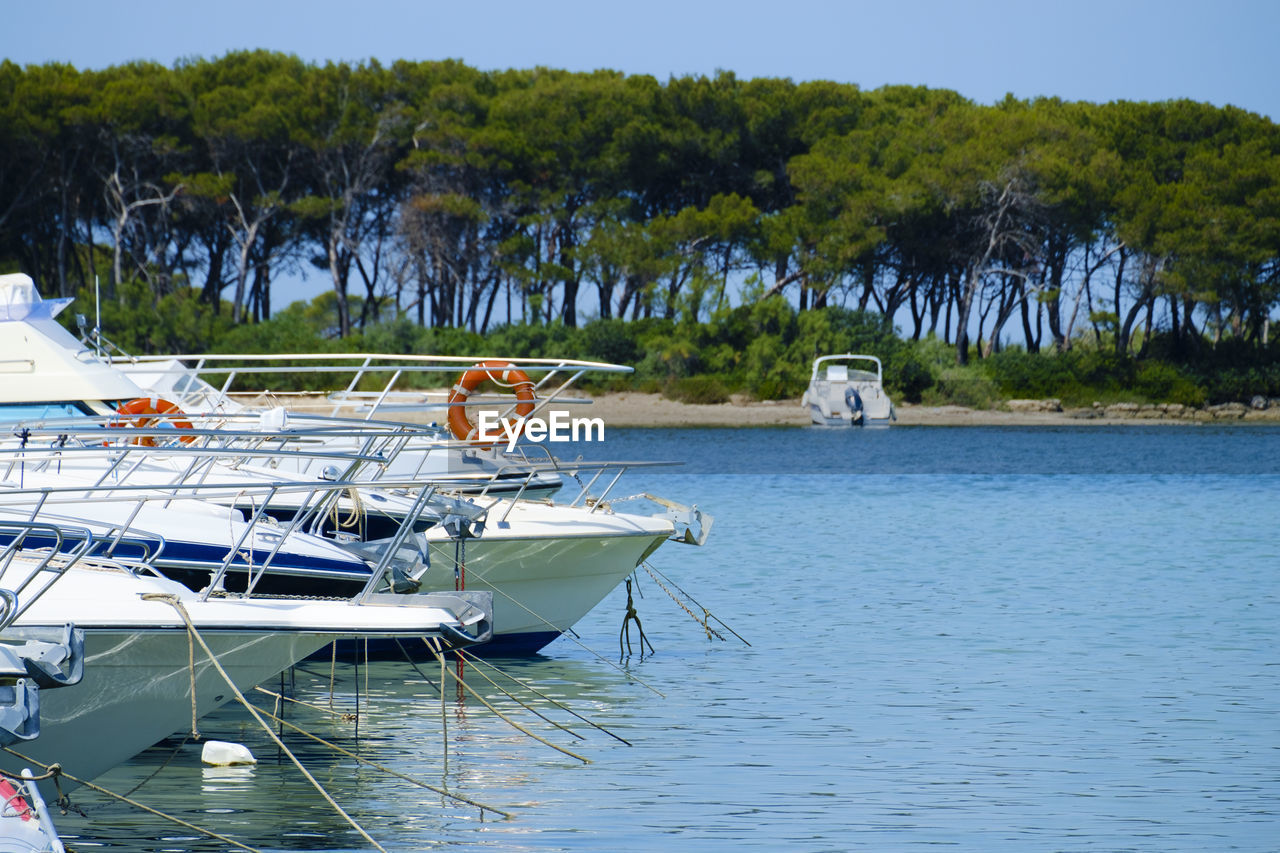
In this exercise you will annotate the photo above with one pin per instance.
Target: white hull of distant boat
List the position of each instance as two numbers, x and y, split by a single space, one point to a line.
840 397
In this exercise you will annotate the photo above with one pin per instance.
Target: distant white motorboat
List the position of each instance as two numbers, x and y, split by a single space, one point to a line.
840 396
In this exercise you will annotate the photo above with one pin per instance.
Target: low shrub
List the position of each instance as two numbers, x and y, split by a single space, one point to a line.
1165 383
706 390
610 340
961 387
908 378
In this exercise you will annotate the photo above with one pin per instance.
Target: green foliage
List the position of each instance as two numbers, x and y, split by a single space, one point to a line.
1081 376
302 327
959 386
453 186
1233 370
141 322
609 340
1165 383
909 379
554 340
297 329
1020 374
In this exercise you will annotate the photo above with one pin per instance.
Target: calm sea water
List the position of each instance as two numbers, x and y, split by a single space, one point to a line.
985 639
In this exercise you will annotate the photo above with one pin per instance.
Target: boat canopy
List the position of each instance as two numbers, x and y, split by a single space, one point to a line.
839 372
40 361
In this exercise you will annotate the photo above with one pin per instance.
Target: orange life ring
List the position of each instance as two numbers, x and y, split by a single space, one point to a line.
502 373
146 412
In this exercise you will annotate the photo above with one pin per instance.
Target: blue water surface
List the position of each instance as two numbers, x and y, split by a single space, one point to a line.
982 639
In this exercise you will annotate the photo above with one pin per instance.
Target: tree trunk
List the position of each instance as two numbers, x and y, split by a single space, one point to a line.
1033 342
211 293
963 309
604 291
917 314
338 274
488 309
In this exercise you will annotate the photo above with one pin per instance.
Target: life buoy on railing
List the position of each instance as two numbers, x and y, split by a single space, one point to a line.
500 372
146 412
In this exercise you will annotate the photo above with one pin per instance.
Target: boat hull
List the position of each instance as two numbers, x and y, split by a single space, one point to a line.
844 420
136 691
546 565
145 676
541 586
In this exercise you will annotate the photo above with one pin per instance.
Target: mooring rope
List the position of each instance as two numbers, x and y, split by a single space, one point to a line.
478 660
627 619
414 665
281 697
708 615
176 603
464 686
354 518
421 784
524 705
64 804
434 645
333 671
52 771
711 632
231 533
156 772
497 590
191 668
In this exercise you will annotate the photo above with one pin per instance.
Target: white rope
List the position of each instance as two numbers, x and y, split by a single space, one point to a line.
176 603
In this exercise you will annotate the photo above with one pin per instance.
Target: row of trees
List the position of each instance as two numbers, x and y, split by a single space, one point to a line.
456 197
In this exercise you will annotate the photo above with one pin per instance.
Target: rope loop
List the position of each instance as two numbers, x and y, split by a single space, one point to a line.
632 616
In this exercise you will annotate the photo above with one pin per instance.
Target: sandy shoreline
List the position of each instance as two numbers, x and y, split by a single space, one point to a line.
635 409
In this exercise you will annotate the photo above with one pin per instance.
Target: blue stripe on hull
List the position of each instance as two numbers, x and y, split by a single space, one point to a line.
501 646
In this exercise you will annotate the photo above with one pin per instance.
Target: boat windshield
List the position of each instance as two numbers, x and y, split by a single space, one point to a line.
12 413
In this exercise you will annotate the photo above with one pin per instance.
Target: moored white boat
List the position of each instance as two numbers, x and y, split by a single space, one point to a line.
145 676
547 564
840 396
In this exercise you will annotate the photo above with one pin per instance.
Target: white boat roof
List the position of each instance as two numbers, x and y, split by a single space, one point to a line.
847 357
40 361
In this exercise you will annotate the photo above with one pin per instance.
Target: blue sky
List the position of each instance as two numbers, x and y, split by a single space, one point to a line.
1221 52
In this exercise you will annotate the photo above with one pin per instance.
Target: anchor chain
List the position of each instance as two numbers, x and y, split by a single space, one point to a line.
706 614
658 578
